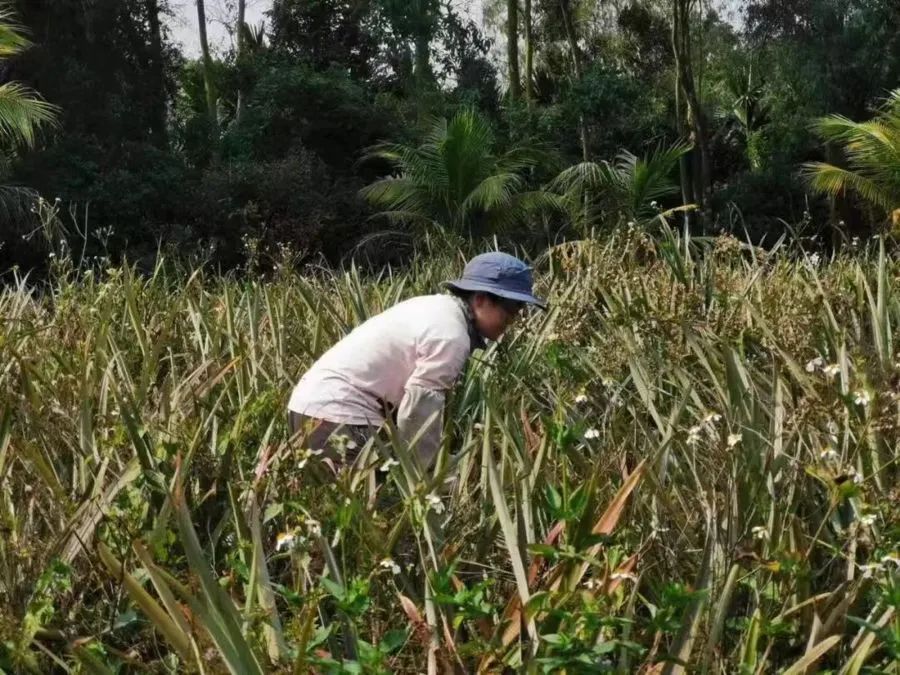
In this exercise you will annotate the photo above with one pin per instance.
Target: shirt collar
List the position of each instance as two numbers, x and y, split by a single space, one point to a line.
476 341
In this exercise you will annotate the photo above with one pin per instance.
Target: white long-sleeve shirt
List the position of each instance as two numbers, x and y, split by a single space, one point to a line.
419 344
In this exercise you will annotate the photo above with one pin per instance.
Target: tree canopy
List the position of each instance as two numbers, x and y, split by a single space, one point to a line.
265 142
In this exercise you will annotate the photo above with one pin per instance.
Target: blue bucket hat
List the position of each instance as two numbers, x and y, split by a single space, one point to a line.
499 274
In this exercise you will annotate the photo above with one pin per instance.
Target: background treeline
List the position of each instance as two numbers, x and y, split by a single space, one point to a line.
271 141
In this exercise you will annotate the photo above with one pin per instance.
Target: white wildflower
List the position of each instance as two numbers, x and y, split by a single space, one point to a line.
388 464
581 398
733 440
760 532
815 259
712 418
389 564
285 540
829 455
831 370
868 520
591 434
861 398
693 436
314 527
815 364
591 584
434 503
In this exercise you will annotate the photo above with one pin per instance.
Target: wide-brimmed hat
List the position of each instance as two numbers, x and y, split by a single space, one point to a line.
499 274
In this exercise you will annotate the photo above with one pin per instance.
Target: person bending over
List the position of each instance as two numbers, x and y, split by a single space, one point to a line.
406 359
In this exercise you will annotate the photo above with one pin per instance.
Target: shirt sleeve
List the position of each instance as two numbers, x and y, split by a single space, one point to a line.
420 420
441 354
439 361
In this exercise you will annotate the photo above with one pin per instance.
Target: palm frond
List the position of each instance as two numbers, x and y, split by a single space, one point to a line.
536 201
12 34
493 192
834 181
872 150
22 113
522 158
652 177
404 218
394 193
452 177
837 128
583 176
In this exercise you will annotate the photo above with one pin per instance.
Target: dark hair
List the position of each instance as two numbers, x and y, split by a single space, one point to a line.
460 293
467 296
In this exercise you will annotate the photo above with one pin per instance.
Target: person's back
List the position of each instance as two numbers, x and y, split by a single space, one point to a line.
424 341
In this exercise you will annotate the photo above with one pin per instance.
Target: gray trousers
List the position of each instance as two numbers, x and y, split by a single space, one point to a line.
319 436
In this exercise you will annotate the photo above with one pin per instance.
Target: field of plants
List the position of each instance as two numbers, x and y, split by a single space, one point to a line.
689 464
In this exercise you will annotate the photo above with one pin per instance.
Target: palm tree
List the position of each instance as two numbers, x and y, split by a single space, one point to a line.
454 179
626 189
22 111
872 150
747 95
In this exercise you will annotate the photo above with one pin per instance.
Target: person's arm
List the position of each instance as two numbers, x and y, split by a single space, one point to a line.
439 361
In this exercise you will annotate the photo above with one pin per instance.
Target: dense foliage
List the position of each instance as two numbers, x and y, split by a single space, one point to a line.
262 141
689 464
692 457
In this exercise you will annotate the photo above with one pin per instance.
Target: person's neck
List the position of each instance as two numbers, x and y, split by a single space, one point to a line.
476 339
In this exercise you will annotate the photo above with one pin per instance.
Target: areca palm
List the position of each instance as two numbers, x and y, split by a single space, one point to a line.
454 179
626 188
872 150
746 94
22 111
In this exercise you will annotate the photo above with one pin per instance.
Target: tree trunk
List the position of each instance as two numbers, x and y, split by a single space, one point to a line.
529 55
685 165
576 68
207 72
241 19
512 48
422 73
157 67
695 172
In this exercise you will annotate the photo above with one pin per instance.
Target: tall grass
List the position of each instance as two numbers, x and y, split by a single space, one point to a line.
688 463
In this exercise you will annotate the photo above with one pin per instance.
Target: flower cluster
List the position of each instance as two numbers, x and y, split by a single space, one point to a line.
388 564
707 425
434 503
